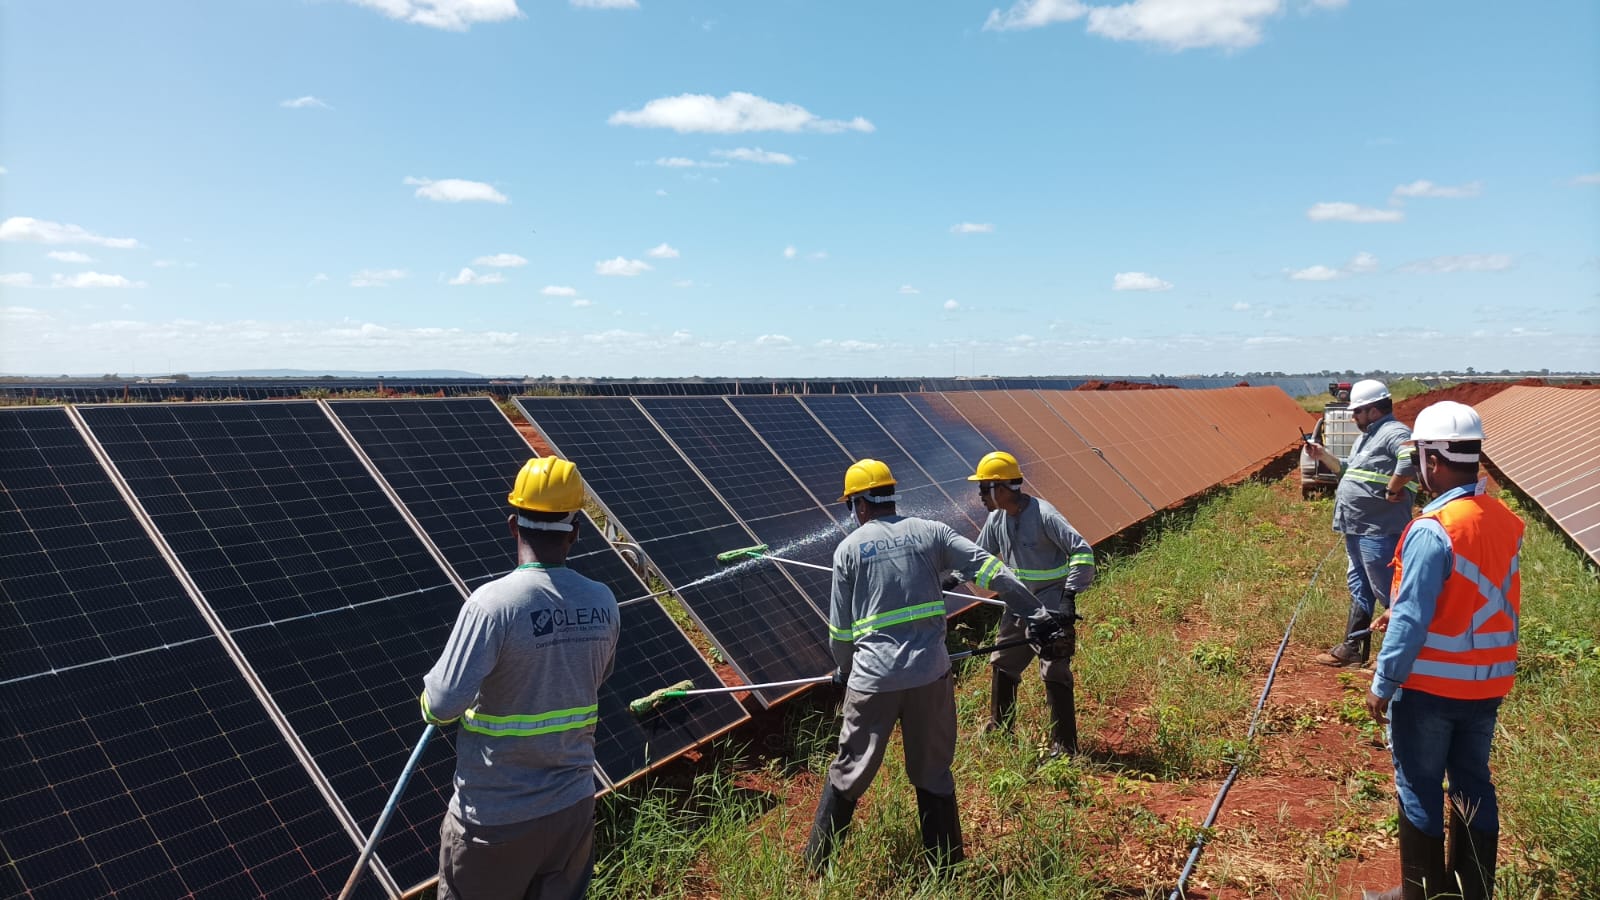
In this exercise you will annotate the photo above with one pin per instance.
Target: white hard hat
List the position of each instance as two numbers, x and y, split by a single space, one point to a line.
1367 392
1444 422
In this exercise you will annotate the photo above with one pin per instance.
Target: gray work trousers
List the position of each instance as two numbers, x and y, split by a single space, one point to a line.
1015 659
927 717
548 858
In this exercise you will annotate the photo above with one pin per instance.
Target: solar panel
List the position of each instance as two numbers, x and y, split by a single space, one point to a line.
752 481
135 758
862 436
808 450
970 443
926 446
755 615
451 462
335 601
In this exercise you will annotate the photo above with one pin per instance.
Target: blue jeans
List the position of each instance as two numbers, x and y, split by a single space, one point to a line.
1433 737
1371 571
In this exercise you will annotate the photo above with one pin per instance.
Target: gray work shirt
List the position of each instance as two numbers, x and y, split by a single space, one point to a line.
886 617
523 670
1359 505
1042 548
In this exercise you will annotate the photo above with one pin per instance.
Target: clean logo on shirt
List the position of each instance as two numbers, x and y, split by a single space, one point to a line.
583 618
869 549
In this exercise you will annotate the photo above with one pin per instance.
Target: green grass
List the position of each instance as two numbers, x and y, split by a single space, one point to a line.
1404 389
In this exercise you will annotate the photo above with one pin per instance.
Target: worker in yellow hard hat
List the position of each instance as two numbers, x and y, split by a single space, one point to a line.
887 623
1055 561
522 672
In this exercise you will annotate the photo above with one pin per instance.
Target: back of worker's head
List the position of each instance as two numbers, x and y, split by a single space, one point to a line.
546 498
869 488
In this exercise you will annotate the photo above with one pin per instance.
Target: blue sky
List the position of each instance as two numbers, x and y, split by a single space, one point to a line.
769 187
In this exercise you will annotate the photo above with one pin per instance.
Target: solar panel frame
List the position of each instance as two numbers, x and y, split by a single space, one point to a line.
928 448
107 755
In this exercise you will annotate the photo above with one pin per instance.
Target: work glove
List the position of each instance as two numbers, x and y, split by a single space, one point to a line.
952 580
840 678
1051 634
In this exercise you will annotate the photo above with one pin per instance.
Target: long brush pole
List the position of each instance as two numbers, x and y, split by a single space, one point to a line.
755 554
388 812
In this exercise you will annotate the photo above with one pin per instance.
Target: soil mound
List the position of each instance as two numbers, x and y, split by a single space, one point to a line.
1124 386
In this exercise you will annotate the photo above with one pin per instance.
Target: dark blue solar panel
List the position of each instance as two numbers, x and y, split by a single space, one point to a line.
808 450
970 443
764 625
850 424
333 598
755 484
134 756
931 452
452 462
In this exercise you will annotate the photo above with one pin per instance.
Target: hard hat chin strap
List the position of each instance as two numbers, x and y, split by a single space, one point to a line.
563 525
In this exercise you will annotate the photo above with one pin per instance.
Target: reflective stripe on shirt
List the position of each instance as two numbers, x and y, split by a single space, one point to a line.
525 726
1375 477
904 614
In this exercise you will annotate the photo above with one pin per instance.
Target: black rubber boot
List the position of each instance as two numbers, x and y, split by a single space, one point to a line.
1002 701
1470 857
834 812
941 829
1351 652
1063 718
1422 872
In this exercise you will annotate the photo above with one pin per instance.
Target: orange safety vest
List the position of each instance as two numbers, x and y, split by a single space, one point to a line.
1471 649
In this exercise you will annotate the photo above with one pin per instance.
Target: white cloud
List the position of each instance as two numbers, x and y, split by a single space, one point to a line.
3 171
849 346
774 340
16 279
1469 262
1590 178
455 190
755 155
605 4
93 280
70 256
501 261
683 283
789 252
448 15
1240 306
1362 262
319 278
625 268
1429 189
369 278
306 102
662 250
558 290
1138 281
660 192
951 304
1350 212
972 228
24 228
467 276
675 162
1173 24
820 254
1316 273
164 263
908 289
735 113
580 303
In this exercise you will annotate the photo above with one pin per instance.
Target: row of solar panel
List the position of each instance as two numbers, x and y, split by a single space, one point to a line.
208 691
1546 441
690 478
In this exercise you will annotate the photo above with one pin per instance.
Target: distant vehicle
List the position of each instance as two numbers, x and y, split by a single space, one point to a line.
1337 431
1339 391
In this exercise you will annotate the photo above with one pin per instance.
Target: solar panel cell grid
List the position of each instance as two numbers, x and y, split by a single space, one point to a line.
937 458
863 437
809 451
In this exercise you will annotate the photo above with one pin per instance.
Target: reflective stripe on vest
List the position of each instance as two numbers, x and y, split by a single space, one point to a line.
1372 477
1495 597
904 614
1061 571
526 726
428 716
987 571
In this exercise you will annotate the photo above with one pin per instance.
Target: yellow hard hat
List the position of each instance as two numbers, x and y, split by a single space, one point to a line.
997 466
866 475
547 484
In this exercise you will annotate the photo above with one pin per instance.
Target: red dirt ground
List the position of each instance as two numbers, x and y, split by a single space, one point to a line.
1472 392
1124 386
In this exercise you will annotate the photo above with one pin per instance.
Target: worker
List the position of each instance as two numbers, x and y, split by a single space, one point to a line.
522 671
887 623
1371 506
1449 659
1052 558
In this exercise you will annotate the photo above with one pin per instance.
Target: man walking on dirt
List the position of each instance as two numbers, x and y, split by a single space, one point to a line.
522 670
1449 659
1054 560
1371 506
887 623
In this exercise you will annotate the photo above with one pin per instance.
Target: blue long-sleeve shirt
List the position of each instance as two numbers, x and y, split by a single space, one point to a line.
1426 561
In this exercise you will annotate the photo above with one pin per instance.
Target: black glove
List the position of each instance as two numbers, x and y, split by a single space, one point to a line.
1051 635
840 677
952 580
